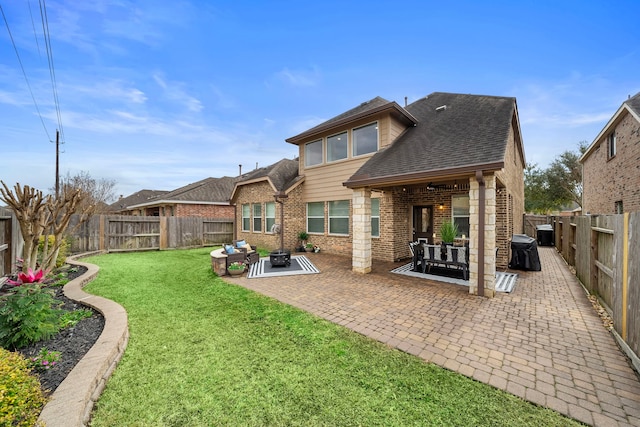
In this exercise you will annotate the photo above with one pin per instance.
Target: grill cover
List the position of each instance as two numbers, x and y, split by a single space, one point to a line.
524 253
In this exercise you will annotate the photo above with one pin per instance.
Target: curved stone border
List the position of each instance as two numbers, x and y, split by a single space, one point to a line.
72 402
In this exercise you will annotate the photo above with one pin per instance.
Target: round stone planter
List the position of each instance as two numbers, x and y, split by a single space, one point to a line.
235 272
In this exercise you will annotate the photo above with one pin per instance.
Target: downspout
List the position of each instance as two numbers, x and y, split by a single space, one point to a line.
481 221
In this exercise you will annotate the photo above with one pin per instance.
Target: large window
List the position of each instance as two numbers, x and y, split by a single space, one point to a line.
611 145
337 147
246 217
313 153
461 213
257 217
365 139
315 217
375 217
269 216
339 217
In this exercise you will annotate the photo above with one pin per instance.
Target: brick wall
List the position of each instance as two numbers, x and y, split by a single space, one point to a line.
201 211
606 181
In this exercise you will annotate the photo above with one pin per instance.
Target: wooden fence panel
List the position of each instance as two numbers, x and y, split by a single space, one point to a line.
132 233
633 285
84 237
5 244
184 232
583 250
217 232
604 266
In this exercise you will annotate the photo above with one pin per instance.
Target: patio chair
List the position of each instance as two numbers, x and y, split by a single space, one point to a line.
416 250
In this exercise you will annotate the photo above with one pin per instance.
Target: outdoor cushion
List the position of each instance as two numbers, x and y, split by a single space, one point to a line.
240 244
229 249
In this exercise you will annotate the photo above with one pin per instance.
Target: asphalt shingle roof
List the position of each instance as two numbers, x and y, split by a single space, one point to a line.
206 190
282 174
634 103
137 198
452 131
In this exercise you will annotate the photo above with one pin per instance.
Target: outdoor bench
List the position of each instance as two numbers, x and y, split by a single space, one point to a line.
452 257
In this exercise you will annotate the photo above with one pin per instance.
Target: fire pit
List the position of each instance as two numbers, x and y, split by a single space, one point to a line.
280 258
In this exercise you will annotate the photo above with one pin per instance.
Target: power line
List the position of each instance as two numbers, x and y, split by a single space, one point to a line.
24 72
52 73
33 26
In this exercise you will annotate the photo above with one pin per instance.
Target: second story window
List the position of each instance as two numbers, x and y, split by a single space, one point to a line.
611 145
337 147
313 153
365 139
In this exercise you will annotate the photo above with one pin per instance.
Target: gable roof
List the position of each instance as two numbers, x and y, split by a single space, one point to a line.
209 191
136 198
282 176
372 107
630 106
454 133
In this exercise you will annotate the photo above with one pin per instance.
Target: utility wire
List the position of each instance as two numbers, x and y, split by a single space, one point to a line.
24 73
33 25
52 73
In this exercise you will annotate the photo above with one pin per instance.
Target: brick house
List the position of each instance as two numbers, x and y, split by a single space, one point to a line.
610 168
380 175
208 198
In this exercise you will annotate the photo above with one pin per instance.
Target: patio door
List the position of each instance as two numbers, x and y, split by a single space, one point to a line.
423 223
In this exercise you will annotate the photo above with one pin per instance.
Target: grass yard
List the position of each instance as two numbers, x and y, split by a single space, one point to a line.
203 352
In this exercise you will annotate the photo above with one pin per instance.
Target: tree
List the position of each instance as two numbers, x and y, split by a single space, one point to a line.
564 177
96 193
557 186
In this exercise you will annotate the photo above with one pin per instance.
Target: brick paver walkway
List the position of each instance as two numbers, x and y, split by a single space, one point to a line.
543 342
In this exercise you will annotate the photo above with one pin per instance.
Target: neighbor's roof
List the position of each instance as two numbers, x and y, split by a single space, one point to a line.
453 133
630 106
369 108
137 198
282 176
211 191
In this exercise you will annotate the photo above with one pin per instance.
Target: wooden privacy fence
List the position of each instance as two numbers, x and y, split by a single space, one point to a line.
134 233
10 241
605 252
532 221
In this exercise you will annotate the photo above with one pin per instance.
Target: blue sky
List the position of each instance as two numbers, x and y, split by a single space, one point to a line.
158 94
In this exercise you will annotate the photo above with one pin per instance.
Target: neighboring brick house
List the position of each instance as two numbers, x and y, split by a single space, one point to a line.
610 167
257 209
121 206
208 198
379 175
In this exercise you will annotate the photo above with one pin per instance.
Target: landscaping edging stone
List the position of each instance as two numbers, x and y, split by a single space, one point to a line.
72 402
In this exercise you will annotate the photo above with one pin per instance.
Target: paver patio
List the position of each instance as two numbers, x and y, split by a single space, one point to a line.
543 342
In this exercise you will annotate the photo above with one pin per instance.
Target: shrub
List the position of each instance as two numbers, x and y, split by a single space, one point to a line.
21 398
28 315
62 253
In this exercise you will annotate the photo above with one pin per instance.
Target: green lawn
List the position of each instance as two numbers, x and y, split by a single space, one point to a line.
203 352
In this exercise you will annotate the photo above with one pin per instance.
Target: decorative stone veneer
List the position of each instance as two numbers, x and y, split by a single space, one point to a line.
489 278
361 219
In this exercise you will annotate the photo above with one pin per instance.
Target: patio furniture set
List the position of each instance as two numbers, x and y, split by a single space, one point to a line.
426 256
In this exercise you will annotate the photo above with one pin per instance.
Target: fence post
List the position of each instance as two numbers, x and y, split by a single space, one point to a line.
164 234
594 255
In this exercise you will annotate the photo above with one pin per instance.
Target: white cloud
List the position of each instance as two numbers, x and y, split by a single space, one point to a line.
175 91
300 78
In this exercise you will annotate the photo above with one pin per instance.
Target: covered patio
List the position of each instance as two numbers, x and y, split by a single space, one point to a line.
543 342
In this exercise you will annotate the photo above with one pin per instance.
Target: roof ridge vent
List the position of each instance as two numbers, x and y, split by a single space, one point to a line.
440 108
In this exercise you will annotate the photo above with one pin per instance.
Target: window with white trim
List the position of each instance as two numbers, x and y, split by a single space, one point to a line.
618 207
246 217
315 217
257 217
339 217
337 147
460 204
313 153
269 216
375 217
365 139
611 145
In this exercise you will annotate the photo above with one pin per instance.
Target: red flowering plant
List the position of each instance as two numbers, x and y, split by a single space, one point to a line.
29 277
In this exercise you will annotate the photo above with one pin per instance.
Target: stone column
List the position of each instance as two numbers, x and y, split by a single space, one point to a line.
361 225
489 279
